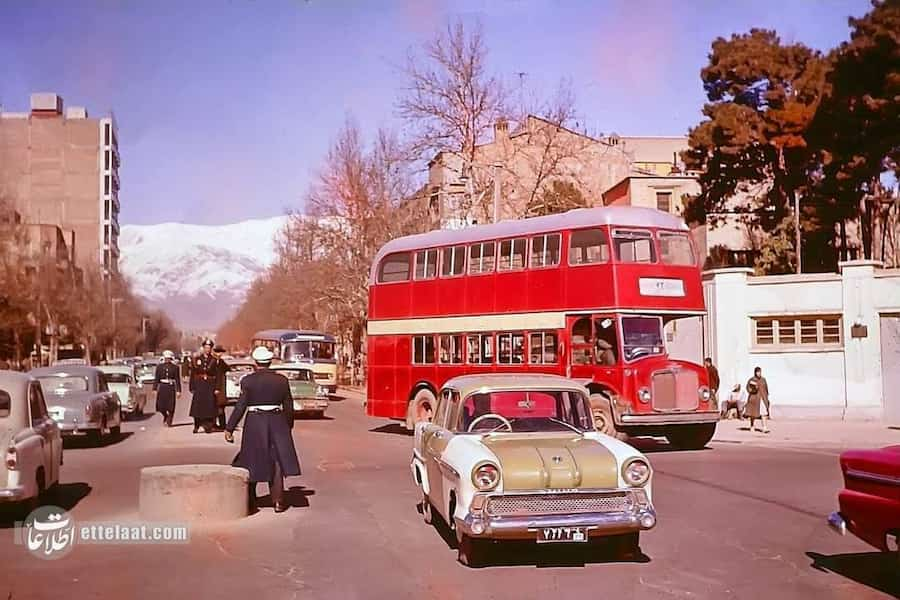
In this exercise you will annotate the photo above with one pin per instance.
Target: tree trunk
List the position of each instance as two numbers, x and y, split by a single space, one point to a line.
843 254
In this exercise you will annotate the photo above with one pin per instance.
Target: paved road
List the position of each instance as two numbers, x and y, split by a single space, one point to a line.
735 522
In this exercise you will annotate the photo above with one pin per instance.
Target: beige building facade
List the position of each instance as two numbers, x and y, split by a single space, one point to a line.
59 169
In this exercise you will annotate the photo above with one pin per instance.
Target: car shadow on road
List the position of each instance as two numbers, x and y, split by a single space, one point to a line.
64 495
393 428
139 418
83 442
649 445
878 570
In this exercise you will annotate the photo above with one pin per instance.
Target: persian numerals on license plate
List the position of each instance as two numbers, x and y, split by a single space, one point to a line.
548 535
651 286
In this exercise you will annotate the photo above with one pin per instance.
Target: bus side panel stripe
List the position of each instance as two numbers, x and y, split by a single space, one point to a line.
475 323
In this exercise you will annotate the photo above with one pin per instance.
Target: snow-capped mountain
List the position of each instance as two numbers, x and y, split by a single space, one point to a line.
199 274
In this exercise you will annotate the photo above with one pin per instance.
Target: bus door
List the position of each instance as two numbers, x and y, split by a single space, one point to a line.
581 347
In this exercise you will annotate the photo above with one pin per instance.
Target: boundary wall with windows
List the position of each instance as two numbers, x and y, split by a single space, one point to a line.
817 338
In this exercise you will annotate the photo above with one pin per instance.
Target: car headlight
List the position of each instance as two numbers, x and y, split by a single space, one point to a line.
486 476
704 393
636 472
321 391
644 395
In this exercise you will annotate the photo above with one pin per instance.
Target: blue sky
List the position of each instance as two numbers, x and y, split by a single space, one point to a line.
226 108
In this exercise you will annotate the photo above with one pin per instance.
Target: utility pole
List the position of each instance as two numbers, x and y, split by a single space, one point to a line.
115 302
497 167
797 229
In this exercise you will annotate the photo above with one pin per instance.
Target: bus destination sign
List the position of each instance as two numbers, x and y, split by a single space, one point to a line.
652 286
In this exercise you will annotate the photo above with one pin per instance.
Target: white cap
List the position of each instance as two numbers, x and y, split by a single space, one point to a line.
168 354
261 354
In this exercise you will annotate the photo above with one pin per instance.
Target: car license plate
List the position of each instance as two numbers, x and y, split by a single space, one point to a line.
549 535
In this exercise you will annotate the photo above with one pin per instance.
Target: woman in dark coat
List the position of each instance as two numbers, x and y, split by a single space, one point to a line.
757 395
267 448
203 386
167 385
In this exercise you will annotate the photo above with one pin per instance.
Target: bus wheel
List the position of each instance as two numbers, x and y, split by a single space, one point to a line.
420 408
603 420
691 437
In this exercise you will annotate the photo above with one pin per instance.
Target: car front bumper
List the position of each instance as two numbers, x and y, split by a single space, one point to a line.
13 494
68 428
305 404
638 516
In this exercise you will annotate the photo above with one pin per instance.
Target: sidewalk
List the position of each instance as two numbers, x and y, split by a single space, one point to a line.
810 433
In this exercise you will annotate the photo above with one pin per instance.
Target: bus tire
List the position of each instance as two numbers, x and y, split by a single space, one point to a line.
420 408
601 410
691 437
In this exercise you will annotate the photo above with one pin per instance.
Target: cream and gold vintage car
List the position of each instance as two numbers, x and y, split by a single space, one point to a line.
518 457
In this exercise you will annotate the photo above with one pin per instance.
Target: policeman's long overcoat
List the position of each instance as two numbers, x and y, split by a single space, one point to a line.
266 437
202 386
165 393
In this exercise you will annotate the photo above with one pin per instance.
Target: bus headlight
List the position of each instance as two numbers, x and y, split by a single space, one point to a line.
636 472
486 476
704 393
644 395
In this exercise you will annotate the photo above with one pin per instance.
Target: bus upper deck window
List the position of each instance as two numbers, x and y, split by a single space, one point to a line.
675 249
634 246
394 267
588 246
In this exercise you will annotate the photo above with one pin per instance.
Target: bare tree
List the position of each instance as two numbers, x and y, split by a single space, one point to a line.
451 101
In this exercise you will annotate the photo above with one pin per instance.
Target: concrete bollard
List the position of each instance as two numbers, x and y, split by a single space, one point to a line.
207 493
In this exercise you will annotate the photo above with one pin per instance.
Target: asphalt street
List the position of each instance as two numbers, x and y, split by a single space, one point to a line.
735 521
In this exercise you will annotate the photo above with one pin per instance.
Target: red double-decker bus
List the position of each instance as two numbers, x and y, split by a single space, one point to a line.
585 294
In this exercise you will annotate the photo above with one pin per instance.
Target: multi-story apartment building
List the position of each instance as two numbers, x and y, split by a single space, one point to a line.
61 169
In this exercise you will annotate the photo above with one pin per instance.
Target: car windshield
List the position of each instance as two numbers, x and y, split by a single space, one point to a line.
63 385
296 374
641 336
308 349
236 369
526 412
117 378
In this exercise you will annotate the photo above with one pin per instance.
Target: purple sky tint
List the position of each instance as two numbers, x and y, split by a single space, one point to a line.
227 107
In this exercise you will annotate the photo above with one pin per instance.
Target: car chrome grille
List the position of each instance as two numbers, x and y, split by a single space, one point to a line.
675 390
554 504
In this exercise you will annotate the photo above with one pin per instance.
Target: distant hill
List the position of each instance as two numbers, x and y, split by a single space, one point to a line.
198 274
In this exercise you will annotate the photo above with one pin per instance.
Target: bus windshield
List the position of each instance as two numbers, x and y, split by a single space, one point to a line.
641 336
308 350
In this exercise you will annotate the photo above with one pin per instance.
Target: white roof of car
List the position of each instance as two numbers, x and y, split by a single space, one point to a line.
291 366
116 369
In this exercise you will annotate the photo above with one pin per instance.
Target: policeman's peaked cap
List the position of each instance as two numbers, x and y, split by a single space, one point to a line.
261 354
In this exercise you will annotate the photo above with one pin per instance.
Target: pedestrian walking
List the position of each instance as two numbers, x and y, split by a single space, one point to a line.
220 386
202 387
713 373
167 385
757 396
267 448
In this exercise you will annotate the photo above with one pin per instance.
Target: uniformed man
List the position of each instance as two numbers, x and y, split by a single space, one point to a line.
202 386
267 448
167 385
221 386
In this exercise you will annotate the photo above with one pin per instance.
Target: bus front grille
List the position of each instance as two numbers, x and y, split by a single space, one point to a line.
675 390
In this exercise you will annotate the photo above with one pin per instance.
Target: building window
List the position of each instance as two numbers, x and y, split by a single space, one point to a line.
106 210
451 349
588 246
106 234
453 261
545 250
394 267
803 332
664 201
480 349
426 264
542 348
423 350
106 160
106 134
634 246
510 348
106 185
481 258
512 255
